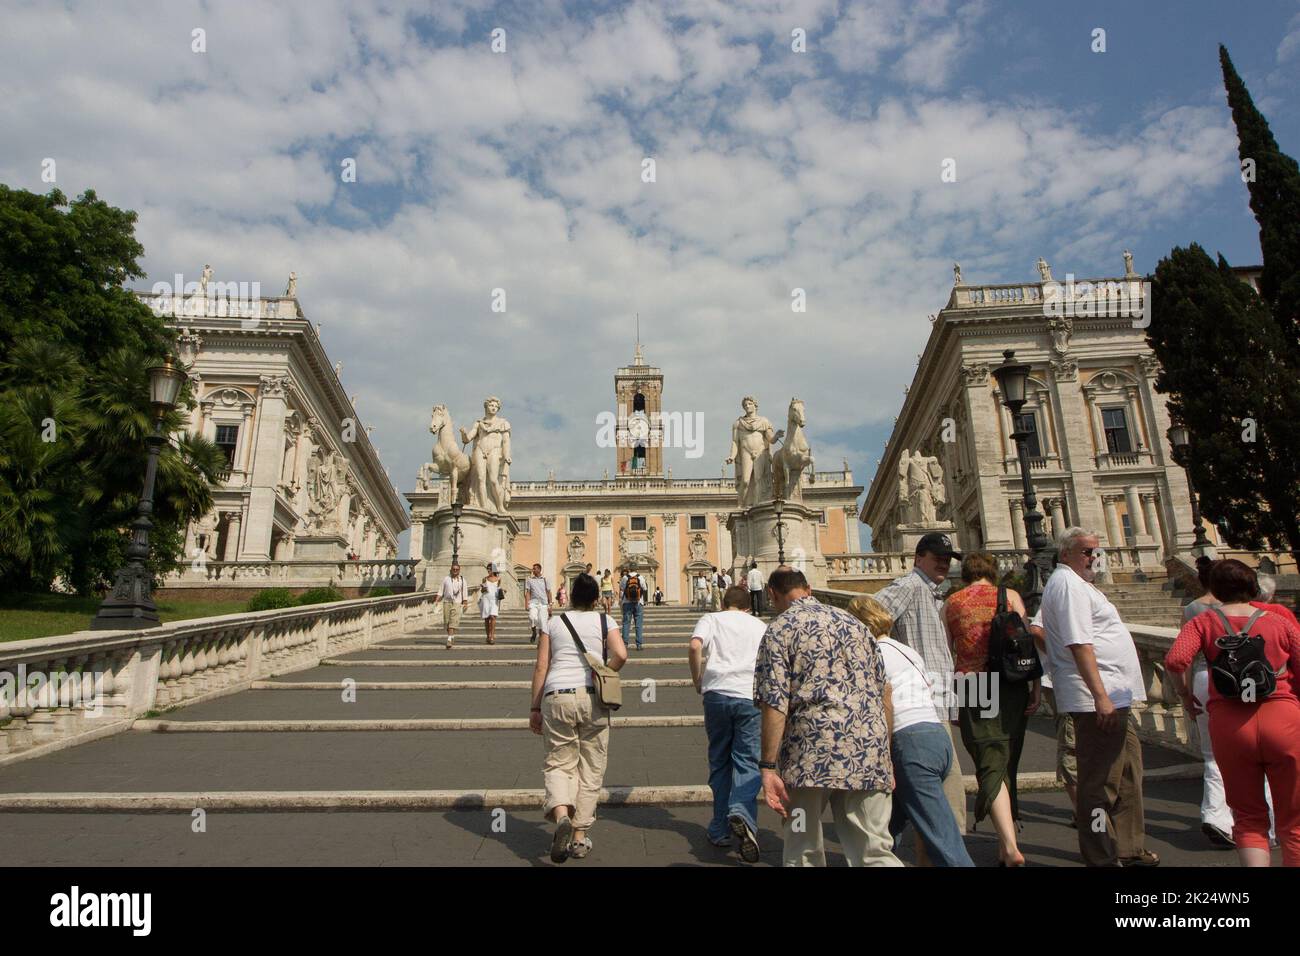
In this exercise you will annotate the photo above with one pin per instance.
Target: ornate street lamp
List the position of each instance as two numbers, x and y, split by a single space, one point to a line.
1181 439
130 606
779 531
1012 378
456 509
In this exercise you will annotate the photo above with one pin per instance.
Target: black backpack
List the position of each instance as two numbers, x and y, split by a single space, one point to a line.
1011 647
1241 670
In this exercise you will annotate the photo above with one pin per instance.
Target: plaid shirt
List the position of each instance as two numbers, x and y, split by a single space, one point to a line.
914 602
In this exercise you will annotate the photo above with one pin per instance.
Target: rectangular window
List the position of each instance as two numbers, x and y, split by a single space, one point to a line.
1115 422
578 524
1028 423
525 525
1128 526
638 523
699 522
227 440
821 516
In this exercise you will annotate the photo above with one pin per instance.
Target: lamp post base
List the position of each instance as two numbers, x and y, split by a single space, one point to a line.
130 604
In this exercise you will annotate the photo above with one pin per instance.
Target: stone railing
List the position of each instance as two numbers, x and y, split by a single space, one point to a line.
56 692
378 572
868 564
1118 297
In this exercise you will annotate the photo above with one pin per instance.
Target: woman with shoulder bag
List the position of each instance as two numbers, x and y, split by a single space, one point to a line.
567 712
994 740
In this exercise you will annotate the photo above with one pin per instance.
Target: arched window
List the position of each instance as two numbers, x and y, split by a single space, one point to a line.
638 402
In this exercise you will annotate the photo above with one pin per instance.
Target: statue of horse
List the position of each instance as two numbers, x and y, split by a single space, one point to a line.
789 461
448 457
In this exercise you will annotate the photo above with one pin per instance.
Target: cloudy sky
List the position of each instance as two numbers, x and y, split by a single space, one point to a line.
522 170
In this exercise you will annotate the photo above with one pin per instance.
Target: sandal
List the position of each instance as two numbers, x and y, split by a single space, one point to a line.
560 842
1145 858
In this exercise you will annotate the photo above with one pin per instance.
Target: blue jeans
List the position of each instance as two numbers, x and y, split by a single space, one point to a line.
636 610
733 726
922 755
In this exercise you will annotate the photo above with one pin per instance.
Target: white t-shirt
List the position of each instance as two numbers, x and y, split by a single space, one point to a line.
755 580
453 589
536 590
910 685
730 640
567 668
1075 612
726 581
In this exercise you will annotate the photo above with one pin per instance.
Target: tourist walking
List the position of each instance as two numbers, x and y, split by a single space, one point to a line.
1255 731
567 713
723 650
701 591
1216 817
1067 767
920 745
993 730
607 591
538 591
915 603
1097 678
821 686
755 582
562 596
454 596
632 597
490 595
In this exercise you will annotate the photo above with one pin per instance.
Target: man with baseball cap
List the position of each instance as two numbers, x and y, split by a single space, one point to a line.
916 605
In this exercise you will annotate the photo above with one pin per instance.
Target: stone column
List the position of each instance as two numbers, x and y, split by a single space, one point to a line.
983 413
549 566
206 428
1114 529
1155 527
231 552
1058 517
244 453
1136 423
1017 524
415 548
725 556
604 542
672 568
1136 519
1077 451
853 532
265 453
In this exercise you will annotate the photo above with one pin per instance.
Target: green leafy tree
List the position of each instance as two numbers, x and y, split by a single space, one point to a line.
74 408
1224 367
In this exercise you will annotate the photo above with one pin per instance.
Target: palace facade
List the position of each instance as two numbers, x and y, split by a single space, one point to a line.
668 528
305 484
1098 446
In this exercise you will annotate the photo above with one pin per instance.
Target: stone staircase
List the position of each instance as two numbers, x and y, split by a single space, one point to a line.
1146 602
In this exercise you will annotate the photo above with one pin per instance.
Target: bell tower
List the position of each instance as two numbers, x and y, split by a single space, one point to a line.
638 394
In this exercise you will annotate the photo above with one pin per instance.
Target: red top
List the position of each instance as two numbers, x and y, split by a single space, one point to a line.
1281 647
969 615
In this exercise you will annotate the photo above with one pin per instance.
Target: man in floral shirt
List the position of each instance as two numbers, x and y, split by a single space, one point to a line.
821 686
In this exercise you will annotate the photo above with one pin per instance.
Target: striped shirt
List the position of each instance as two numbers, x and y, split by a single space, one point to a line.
916 606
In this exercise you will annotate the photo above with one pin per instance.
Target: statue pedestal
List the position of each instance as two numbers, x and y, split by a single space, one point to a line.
320 547
909 534
485 538
753 538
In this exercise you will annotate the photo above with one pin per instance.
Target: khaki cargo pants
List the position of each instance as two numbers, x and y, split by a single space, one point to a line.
575 729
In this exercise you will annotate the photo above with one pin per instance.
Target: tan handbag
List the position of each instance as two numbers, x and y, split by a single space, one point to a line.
608 688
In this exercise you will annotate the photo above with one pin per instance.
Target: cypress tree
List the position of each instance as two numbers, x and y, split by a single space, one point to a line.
1275 201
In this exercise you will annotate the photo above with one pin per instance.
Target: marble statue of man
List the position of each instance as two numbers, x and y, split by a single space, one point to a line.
1128 263
204 279
956 273
489 476
751 451
292 289
1044 270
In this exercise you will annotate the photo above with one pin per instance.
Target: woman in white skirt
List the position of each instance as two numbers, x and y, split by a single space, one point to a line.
489 603
569 716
